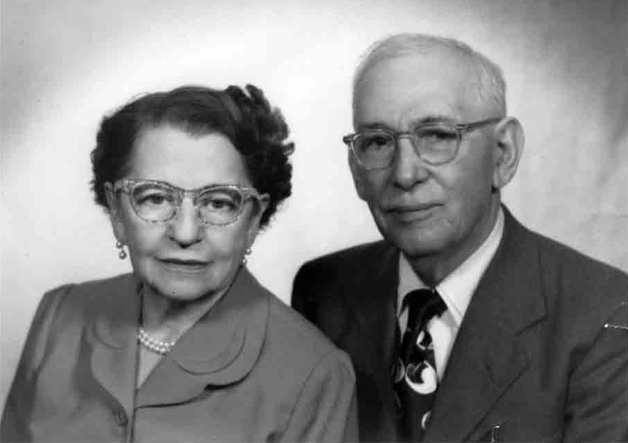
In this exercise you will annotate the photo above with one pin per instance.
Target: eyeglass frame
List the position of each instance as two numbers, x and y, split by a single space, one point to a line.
461 130
128 184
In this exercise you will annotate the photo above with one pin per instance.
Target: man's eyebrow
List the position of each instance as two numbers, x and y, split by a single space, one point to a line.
371 126
434 119
430 119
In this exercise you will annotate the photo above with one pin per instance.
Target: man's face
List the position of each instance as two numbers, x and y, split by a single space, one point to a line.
427 211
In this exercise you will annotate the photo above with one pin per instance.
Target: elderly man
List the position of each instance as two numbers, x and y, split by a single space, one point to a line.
462 324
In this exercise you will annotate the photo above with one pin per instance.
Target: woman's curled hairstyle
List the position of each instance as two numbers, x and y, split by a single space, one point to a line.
256 129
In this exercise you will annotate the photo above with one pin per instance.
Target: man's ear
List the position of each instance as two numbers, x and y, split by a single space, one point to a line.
255 221
115 214
356 172
509 142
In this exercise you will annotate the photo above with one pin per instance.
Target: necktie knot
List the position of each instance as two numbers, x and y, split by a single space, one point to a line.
423 305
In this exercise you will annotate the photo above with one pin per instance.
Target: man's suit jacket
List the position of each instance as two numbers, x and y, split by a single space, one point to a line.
532 360
250 370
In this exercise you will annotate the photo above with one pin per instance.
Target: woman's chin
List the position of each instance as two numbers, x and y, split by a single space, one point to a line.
183 291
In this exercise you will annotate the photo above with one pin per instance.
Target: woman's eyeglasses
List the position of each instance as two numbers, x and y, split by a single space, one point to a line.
158 202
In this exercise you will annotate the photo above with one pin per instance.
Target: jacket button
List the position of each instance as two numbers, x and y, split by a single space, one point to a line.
120 418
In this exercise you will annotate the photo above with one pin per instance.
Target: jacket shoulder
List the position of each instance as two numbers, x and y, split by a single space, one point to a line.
351 257
309 373
579 289
327 290
104 285
329 274
289 330
80 299
575 268
564 272
350 266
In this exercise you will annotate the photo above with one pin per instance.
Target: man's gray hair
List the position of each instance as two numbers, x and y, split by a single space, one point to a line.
491 86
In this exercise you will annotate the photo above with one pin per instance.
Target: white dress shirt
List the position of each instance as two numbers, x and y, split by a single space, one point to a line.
456 290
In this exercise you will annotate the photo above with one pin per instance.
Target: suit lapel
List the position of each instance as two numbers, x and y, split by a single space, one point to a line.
488 355
220 349
112 337
373 302
371 340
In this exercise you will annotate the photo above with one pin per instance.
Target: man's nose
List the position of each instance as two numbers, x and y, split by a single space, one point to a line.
186 228
408 167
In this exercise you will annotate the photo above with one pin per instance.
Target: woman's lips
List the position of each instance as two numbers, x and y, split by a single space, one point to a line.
184 265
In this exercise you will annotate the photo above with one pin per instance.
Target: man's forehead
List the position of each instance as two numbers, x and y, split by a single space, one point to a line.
437 83
437 63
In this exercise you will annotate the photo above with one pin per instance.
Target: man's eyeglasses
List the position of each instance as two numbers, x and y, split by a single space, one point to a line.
158 202
435 143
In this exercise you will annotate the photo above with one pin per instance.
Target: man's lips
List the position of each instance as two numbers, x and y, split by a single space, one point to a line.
409 213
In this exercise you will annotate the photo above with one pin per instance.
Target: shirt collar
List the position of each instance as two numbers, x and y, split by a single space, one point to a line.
457 288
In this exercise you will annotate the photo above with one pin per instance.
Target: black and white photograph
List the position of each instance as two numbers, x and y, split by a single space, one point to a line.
314 221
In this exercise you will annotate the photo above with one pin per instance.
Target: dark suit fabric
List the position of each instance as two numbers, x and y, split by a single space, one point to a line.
532 360
250 370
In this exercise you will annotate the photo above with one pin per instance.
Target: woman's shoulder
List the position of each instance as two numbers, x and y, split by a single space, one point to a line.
101 283
301 342
285 329
92 287
64 311
79 296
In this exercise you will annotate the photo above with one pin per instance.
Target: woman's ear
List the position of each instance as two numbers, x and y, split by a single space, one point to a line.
509 142
255 220
115 213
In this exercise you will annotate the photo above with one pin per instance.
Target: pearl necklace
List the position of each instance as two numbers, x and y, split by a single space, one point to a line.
156 346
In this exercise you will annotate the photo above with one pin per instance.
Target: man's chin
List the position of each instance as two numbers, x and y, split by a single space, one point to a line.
418 250
416 243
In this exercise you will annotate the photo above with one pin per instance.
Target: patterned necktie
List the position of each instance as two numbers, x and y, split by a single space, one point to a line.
415 378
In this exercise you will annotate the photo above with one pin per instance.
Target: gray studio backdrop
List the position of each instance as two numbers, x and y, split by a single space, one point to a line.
66 62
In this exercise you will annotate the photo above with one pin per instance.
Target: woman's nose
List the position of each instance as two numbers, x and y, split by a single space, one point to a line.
186 228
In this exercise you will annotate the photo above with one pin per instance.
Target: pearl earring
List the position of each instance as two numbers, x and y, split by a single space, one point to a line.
247 252
122 253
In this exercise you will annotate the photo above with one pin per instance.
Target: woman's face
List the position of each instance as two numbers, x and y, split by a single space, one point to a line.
182 258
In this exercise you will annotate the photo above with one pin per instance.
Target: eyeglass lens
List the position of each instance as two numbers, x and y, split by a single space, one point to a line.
158 202
434 144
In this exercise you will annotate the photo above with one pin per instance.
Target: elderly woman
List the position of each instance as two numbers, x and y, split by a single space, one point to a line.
189 347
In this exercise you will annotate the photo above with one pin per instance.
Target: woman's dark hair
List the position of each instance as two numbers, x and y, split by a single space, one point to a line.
257 130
